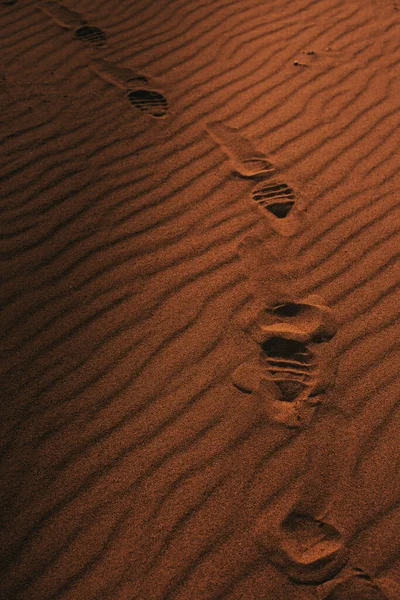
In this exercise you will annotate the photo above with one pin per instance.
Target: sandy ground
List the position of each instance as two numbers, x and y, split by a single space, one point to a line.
200 231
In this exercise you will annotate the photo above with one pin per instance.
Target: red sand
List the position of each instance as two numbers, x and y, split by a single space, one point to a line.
138 462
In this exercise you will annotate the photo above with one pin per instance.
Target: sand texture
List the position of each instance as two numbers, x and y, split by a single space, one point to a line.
199 320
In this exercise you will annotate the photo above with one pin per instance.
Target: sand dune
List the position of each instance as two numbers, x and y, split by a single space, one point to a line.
199 303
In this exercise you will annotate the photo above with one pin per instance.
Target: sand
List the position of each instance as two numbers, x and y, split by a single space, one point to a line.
200 232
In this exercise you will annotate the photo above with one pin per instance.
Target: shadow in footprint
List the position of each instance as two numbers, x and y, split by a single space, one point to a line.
91 35
280 209
310 315
278 202
149 102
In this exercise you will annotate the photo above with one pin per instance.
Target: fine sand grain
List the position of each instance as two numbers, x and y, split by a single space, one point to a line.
200 234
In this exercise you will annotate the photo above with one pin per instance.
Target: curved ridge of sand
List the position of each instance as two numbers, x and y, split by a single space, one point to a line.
130 465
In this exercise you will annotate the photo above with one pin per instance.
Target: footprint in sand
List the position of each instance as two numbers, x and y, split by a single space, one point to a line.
122 77
149 101
246 160
352 583
280 205
91 35
72 20
307 549
277 200
291 369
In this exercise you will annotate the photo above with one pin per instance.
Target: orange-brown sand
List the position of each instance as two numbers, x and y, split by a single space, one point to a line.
200 232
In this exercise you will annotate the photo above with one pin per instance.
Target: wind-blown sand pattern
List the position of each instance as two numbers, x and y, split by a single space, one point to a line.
131 466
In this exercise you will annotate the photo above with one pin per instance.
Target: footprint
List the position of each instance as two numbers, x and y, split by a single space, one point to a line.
289 334
70 19
91 35
292 365
351 584
279 205
245 158
307 549
149 101
63 16
122 77
291 369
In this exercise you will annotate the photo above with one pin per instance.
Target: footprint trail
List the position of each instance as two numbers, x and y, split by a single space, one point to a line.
148 101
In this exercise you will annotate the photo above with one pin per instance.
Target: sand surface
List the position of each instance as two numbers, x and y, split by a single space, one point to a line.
185 184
